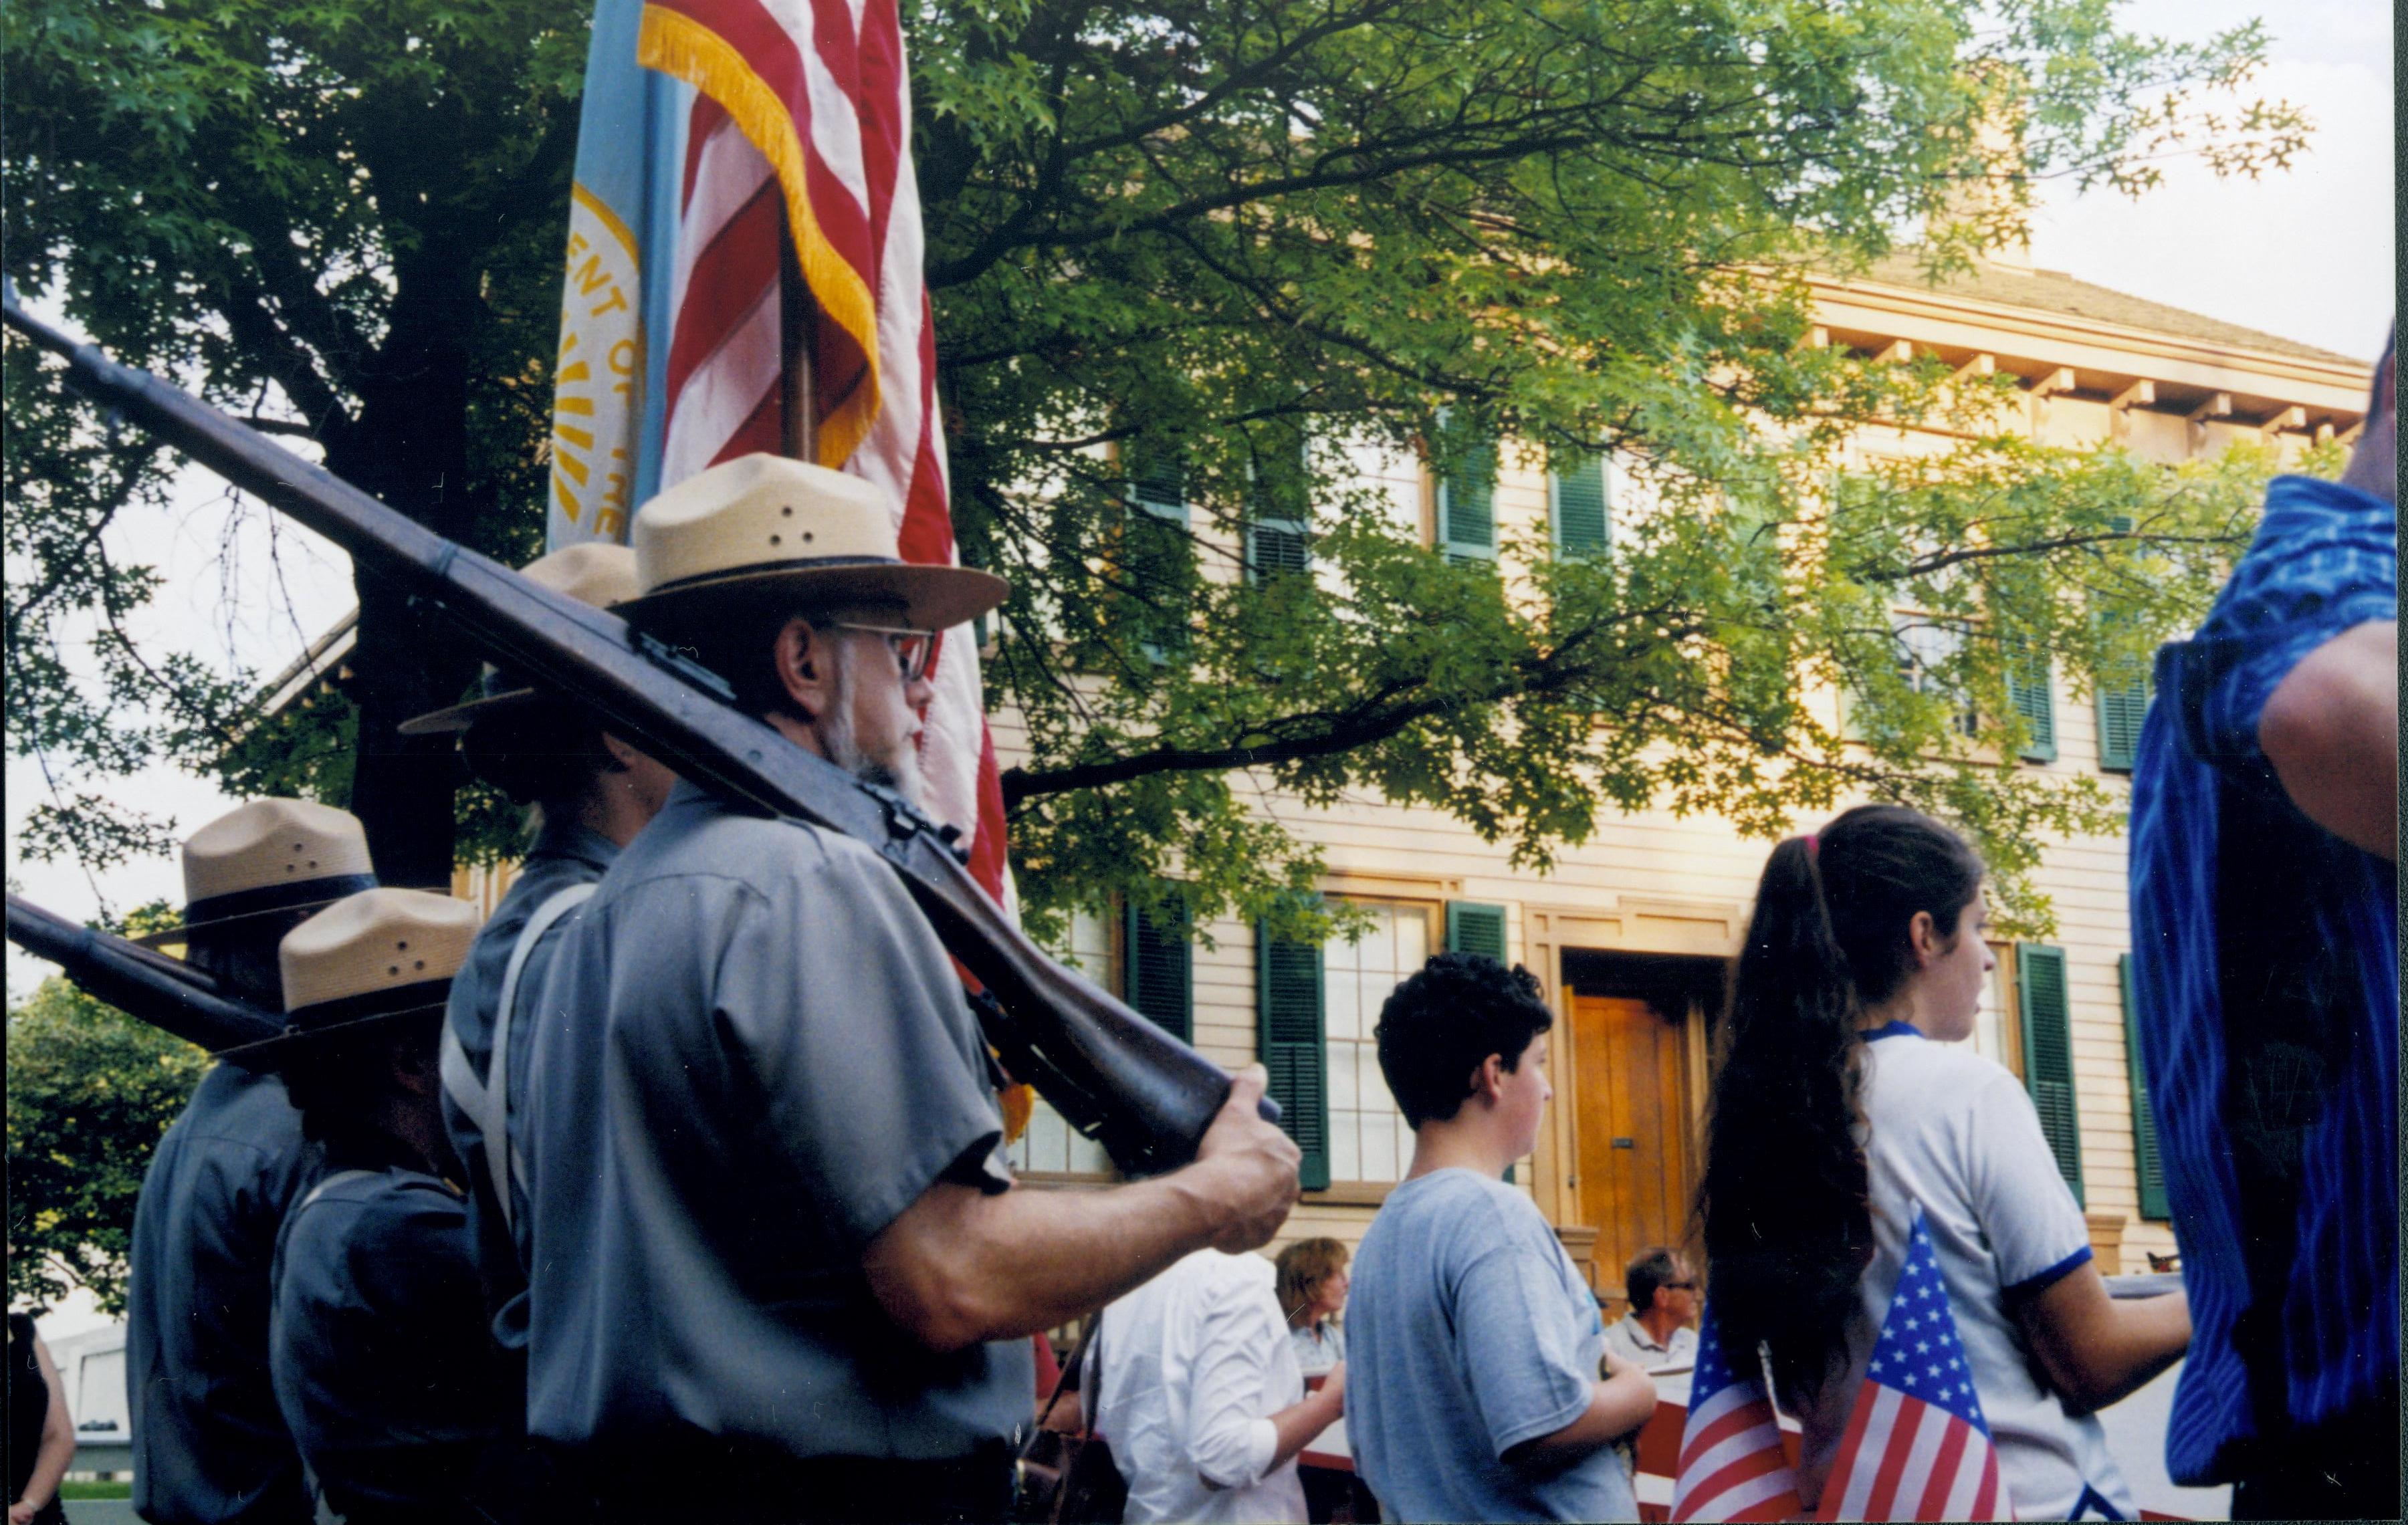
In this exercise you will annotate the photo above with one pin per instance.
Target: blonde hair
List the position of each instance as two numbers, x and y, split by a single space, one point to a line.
1303 1266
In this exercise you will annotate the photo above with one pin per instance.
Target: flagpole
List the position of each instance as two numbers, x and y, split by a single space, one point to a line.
798 316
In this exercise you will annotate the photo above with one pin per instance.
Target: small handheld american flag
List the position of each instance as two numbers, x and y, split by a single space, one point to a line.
1732 1465
1916 1445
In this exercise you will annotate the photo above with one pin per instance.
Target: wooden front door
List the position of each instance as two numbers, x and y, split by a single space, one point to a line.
1633 1122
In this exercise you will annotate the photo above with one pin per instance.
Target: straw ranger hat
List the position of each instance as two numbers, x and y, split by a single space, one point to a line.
763 524
597 573
363 961
268 856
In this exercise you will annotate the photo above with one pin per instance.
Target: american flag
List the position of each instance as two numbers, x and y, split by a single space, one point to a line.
802 116
1916 1445
1732 1464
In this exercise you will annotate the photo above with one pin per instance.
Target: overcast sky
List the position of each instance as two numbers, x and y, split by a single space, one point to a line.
2307 254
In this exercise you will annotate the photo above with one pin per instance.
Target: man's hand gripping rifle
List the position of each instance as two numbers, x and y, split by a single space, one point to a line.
1116 1076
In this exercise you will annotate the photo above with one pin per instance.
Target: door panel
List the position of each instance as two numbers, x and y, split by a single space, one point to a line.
1633 1127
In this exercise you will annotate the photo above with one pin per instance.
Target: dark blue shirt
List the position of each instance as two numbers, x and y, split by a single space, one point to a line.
378 1343
565 854
208 1443
2265 952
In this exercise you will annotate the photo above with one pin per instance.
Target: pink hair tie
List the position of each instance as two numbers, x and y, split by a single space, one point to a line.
1814 843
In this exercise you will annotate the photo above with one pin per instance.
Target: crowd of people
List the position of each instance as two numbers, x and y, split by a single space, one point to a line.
678 1188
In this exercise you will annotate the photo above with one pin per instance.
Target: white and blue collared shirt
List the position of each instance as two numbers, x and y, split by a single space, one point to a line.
1955 1134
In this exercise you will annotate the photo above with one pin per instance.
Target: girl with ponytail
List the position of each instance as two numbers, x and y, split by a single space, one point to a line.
1843 1102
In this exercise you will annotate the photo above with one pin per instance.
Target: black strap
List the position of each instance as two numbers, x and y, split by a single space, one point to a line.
1090 1336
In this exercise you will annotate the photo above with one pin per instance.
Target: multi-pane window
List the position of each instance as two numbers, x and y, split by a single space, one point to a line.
1368 1140
1467 505
1997 1034
1926 647
1577 506
1051 1145
1279 507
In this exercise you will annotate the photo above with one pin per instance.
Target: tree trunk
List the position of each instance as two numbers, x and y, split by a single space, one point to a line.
409 447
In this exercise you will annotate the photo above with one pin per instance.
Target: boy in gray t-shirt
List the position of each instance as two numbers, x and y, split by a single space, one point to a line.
1473 1343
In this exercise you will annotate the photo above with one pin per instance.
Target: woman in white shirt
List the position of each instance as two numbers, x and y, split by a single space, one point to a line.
1312 1293
1840 1109
1199 1397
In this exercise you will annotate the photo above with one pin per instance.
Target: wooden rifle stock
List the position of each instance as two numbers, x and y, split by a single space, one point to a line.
166 992
1115 1076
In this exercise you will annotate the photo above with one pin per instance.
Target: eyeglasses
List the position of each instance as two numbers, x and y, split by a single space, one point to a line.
913 649
1679 1286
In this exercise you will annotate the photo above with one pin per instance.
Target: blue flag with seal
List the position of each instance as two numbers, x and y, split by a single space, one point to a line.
615 311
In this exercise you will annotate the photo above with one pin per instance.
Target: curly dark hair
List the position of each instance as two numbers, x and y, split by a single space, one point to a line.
1784 1199
1439 1024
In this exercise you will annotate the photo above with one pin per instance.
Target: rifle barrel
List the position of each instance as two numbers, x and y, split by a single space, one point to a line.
1112 1073
180 999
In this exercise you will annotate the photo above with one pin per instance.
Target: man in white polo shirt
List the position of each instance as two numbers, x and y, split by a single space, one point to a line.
1659 1331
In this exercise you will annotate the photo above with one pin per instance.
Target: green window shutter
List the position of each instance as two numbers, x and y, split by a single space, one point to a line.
1159 552
1475 929
1467 507
2028 689
1294 1046
2048 1054
2146 1164
1157 972
2121 710
1577 499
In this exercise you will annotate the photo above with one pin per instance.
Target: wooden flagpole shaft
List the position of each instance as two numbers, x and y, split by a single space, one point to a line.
797 317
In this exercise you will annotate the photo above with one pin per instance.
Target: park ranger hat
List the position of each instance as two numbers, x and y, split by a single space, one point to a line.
597 573
366 960
762 524
268 856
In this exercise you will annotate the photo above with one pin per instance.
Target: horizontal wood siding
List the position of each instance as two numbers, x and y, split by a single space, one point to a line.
1375 848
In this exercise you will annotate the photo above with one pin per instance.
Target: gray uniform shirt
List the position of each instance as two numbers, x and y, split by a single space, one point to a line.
377 1344
771 1059
208 1443
565 854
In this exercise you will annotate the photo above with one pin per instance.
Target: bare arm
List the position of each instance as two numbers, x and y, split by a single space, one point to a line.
2096 1348
1622 1402
58 1439
960 1266
1299 1423
2331 730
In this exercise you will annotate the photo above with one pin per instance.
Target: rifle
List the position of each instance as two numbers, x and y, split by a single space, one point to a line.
1115 1076
166 992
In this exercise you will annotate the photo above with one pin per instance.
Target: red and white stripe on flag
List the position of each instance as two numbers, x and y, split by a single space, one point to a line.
805 105
1918 1445
1905 1459
1732 1465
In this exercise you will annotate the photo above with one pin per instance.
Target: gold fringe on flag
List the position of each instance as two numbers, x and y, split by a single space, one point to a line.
677 45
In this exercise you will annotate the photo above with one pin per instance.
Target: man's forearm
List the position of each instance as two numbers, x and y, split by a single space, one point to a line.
960 1266
1299 1423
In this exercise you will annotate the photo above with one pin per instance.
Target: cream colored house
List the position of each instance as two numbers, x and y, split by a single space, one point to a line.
1630 932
